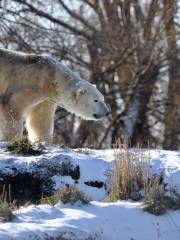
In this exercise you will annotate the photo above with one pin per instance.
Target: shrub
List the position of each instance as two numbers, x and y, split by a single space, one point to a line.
24 146
130 179
6 208
6 214
130 173
69 194
156 200
175 203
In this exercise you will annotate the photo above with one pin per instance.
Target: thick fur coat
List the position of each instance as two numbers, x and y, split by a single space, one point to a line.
31 87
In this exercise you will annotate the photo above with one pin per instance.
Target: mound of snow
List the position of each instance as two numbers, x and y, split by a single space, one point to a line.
97 221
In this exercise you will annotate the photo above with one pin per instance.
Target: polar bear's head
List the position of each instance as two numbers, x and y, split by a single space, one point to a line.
85 100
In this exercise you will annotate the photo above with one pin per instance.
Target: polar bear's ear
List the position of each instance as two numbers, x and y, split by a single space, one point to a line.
54 87
78 93
94 85
81 91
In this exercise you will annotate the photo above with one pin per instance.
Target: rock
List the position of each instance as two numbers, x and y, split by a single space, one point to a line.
30 177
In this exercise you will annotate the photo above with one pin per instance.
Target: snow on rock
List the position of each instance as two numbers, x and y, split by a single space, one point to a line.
167 162
46 223
58 165
96 221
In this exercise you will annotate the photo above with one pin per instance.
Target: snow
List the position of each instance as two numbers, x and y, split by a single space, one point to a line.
98 220
105 221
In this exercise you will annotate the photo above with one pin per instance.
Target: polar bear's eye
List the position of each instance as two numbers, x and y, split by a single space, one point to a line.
95 100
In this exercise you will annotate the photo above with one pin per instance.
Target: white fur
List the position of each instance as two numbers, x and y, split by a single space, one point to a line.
31 86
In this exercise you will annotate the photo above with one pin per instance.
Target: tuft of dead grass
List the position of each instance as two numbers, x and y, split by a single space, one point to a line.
24 146
69 194
155 200
6 214
131 179
6 208
130 173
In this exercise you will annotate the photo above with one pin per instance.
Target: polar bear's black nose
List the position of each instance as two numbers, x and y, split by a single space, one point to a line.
96 116
107 113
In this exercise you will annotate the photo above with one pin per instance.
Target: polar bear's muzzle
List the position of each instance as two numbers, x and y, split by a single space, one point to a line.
98 116
103 111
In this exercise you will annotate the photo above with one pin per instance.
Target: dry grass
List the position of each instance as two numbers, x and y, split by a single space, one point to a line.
69 194
131 179
155 200
130 173
6 208
24 147
6 214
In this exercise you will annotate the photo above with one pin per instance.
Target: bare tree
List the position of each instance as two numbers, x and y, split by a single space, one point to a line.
172 115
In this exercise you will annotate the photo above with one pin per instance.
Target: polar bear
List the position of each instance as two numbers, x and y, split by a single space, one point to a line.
32 86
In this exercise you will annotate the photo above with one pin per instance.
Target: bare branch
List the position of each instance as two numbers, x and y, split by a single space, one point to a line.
76 16
54 20
150 19
138 12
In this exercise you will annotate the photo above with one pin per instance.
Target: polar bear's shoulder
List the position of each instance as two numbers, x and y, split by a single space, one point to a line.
40 60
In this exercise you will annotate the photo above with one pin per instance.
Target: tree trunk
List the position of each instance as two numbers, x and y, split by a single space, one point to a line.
172 113
135 120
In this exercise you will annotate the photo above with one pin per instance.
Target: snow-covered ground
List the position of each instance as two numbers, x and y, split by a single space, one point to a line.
101 221
98 220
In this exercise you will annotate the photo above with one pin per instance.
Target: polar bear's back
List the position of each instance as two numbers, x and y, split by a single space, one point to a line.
18 68
14 57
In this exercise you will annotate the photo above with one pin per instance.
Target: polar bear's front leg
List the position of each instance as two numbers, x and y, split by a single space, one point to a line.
11 125
40 122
